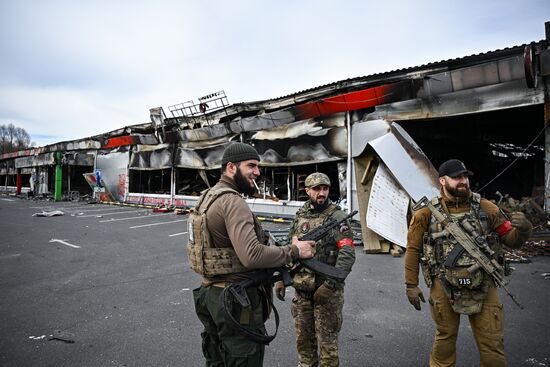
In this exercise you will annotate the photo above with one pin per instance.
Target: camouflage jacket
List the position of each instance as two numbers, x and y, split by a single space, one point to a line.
336 248
420 223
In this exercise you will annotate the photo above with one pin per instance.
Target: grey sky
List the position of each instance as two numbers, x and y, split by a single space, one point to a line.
74 69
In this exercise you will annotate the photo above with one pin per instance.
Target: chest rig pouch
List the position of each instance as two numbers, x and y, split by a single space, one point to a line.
204 257
465 290
325 251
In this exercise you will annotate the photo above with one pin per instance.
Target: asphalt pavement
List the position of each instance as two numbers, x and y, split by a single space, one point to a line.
110 286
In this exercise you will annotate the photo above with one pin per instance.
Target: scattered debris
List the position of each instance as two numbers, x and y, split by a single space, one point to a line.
181 211
49 214
535 362
396 251
64 336
532 207
163 209
527 251
37 337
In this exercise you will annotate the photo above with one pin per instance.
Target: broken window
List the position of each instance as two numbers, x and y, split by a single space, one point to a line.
73 179
194 181
288 183
150 181
7 180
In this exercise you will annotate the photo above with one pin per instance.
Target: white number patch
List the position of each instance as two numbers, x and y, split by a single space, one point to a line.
464 281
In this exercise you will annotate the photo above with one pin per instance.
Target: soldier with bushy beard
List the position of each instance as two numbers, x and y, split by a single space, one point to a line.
226 242
455 290
318 300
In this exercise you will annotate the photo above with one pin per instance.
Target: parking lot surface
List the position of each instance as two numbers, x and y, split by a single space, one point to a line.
110 286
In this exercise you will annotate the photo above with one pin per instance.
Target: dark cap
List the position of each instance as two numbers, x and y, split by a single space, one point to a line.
453 168
238 152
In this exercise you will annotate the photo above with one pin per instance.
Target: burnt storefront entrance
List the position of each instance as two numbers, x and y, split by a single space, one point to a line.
506 143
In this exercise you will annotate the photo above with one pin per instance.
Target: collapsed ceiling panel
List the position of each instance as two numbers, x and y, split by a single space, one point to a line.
199 158
78 159
290 131
150 159
407 163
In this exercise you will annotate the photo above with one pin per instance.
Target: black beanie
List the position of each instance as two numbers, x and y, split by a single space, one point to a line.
238 152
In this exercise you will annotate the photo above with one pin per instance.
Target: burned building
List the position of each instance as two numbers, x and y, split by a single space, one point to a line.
489 110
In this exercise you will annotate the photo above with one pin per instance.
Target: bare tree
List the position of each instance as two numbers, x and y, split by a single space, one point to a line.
13 138
22 139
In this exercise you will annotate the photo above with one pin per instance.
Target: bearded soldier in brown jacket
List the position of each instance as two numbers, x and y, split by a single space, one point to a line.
225 242
454 291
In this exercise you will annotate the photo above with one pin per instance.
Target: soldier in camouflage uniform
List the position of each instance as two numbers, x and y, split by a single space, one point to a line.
454 290
317 305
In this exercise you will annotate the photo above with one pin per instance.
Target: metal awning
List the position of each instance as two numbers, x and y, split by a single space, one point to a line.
45 159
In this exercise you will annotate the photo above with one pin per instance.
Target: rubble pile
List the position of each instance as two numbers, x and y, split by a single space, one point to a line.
527 251
531 206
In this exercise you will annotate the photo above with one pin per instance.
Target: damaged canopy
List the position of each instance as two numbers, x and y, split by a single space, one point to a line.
150 157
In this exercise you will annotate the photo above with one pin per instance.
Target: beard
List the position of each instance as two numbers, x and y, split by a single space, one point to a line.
243 184
458 193
319 207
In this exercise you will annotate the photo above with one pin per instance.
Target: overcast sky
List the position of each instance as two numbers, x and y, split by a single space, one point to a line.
73 69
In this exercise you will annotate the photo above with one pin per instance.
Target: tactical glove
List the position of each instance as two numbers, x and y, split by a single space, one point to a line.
322 294
280 290
520 222
414 294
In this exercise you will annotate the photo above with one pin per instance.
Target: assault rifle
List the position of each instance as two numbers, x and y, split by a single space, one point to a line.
238 290
475 247
315 235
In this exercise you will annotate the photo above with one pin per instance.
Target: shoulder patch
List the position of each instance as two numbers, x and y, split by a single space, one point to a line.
305 227
344 228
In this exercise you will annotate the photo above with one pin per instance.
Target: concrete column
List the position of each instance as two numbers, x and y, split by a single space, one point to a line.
58 176
18 181
547 153
172 185
348 168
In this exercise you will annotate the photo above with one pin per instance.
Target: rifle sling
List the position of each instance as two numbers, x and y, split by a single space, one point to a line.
248 333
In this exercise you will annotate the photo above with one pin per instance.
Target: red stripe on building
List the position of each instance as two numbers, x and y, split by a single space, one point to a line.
120 141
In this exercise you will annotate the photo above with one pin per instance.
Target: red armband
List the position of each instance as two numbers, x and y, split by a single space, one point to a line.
345 242
504 228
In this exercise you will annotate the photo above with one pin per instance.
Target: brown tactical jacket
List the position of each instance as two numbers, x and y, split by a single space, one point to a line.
231 224
421 220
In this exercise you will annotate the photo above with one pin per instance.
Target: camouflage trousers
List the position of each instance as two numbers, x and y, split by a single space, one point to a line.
317 325
487 327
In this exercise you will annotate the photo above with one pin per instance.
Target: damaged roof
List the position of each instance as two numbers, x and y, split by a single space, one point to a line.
448 64
352 90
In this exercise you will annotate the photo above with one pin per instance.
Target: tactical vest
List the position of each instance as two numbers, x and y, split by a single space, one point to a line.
205 257
326 250
466 290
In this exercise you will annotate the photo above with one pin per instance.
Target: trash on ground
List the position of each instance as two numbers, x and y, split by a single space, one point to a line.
64 336
53 213
181 211
37 337
163 209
